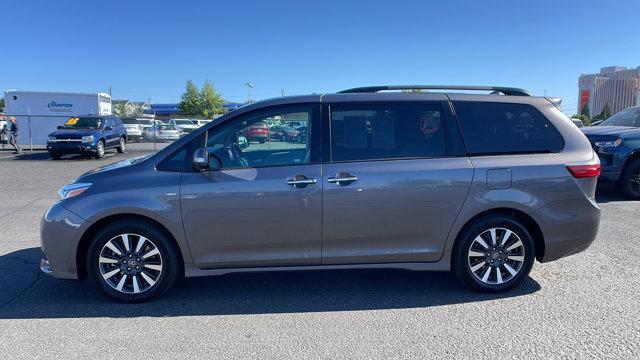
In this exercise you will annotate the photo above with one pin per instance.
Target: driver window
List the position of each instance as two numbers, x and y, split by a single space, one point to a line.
275 138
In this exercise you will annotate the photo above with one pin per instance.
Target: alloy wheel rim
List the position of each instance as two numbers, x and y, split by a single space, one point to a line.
496 256
130 263
100 149
122 143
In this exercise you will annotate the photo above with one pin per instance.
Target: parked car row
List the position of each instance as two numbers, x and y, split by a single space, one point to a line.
93 135
261 132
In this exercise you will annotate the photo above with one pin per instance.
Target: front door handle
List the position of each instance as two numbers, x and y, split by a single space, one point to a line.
342 179
301 181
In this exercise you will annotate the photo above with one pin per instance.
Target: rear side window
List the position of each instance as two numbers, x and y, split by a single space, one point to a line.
502 128
386 131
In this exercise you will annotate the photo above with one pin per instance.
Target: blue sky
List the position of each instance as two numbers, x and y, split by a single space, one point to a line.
149 49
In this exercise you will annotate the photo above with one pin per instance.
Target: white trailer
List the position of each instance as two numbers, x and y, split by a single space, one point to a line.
40 113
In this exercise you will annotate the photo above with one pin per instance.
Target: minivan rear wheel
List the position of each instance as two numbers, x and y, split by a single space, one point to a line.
629 183
494 254
132 261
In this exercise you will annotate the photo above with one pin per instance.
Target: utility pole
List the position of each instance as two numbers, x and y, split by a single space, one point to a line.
109 90
250 86
282 91
545 93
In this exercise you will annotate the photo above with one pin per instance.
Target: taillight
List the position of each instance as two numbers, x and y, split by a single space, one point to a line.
584 171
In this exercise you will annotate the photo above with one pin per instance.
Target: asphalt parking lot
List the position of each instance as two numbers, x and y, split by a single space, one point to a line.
584 306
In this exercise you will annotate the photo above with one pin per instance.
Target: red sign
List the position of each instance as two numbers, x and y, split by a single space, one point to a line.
584 99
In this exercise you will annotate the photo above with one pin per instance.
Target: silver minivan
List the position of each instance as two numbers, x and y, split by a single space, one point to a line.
435 179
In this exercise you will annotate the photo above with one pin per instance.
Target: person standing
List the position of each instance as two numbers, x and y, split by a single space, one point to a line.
15 135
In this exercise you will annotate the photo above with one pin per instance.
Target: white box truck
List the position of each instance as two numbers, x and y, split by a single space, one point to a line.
40 113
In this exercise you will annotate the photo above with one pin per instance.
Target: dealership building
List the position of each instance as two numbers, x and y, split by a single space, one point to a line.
616 86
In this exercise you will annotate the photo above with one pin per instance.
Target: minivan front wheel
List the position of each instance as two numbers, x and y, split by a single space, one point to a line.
132 262
494 254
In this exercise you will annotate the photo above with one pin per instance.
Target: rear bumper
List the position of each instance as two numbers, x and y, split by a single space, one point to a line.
60 234
571 226
256 137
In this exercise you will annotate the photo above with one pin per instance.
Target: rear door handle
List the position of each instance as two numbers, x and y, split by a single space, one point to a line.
342 179
301 181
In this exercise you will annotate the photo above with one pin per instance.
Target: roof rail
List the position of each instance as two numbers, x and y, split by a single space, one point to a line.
510 91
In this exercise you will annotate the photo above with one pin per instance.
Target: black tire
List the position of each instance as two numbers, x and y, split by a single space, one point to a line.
462 259
629 183
123 145
261 141
170 255
55 155
100 149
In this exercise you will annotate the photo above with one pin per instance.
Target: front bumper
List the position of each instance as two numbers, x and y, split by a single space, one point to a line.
71 148
60 234
612 160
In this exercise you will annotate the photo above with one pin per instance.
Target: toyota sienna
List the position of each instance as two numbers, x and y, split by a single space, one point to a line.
435 179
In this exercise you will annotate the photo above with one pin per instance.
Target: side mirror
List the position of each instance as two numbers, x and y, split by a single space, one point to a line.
59 127
200 159
107 128
242 141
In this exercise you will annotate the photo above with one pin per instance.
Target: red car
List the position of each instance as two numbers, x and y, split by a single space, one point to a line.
283 133
257 132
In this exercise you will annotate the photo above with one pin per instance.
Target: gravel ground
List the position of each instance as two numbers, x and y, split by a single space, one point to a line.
584 306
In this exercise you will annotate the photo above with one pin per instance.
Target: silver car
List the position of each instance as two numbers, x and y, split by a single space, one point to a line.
481 184
158 132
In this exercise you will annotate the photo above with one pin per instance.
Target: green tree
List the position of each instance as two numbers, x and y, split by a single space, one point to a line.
1 103
584 118
211 103
190 101
120 109
137 112
585 111
606 111
604 114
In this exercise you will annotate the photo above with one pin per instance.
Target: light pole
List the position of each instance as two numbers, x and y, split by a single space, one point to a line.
250 86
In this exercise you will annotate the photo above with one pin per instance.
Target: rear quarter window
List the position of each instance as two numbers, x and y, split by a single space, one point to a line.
505 128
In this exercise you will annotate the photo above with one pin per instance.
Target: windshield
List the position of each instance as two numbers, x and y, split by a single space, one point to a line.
83 123
628 117
166 127
145 122
129 121
184 122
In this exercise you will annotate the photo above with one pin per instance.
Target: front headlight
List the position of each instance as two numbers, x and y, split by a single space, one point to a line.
608 143
71 190
51 138
87 139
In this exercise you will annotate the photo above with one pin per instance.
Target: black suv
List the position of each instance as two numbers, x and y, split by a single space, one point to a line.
617 142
